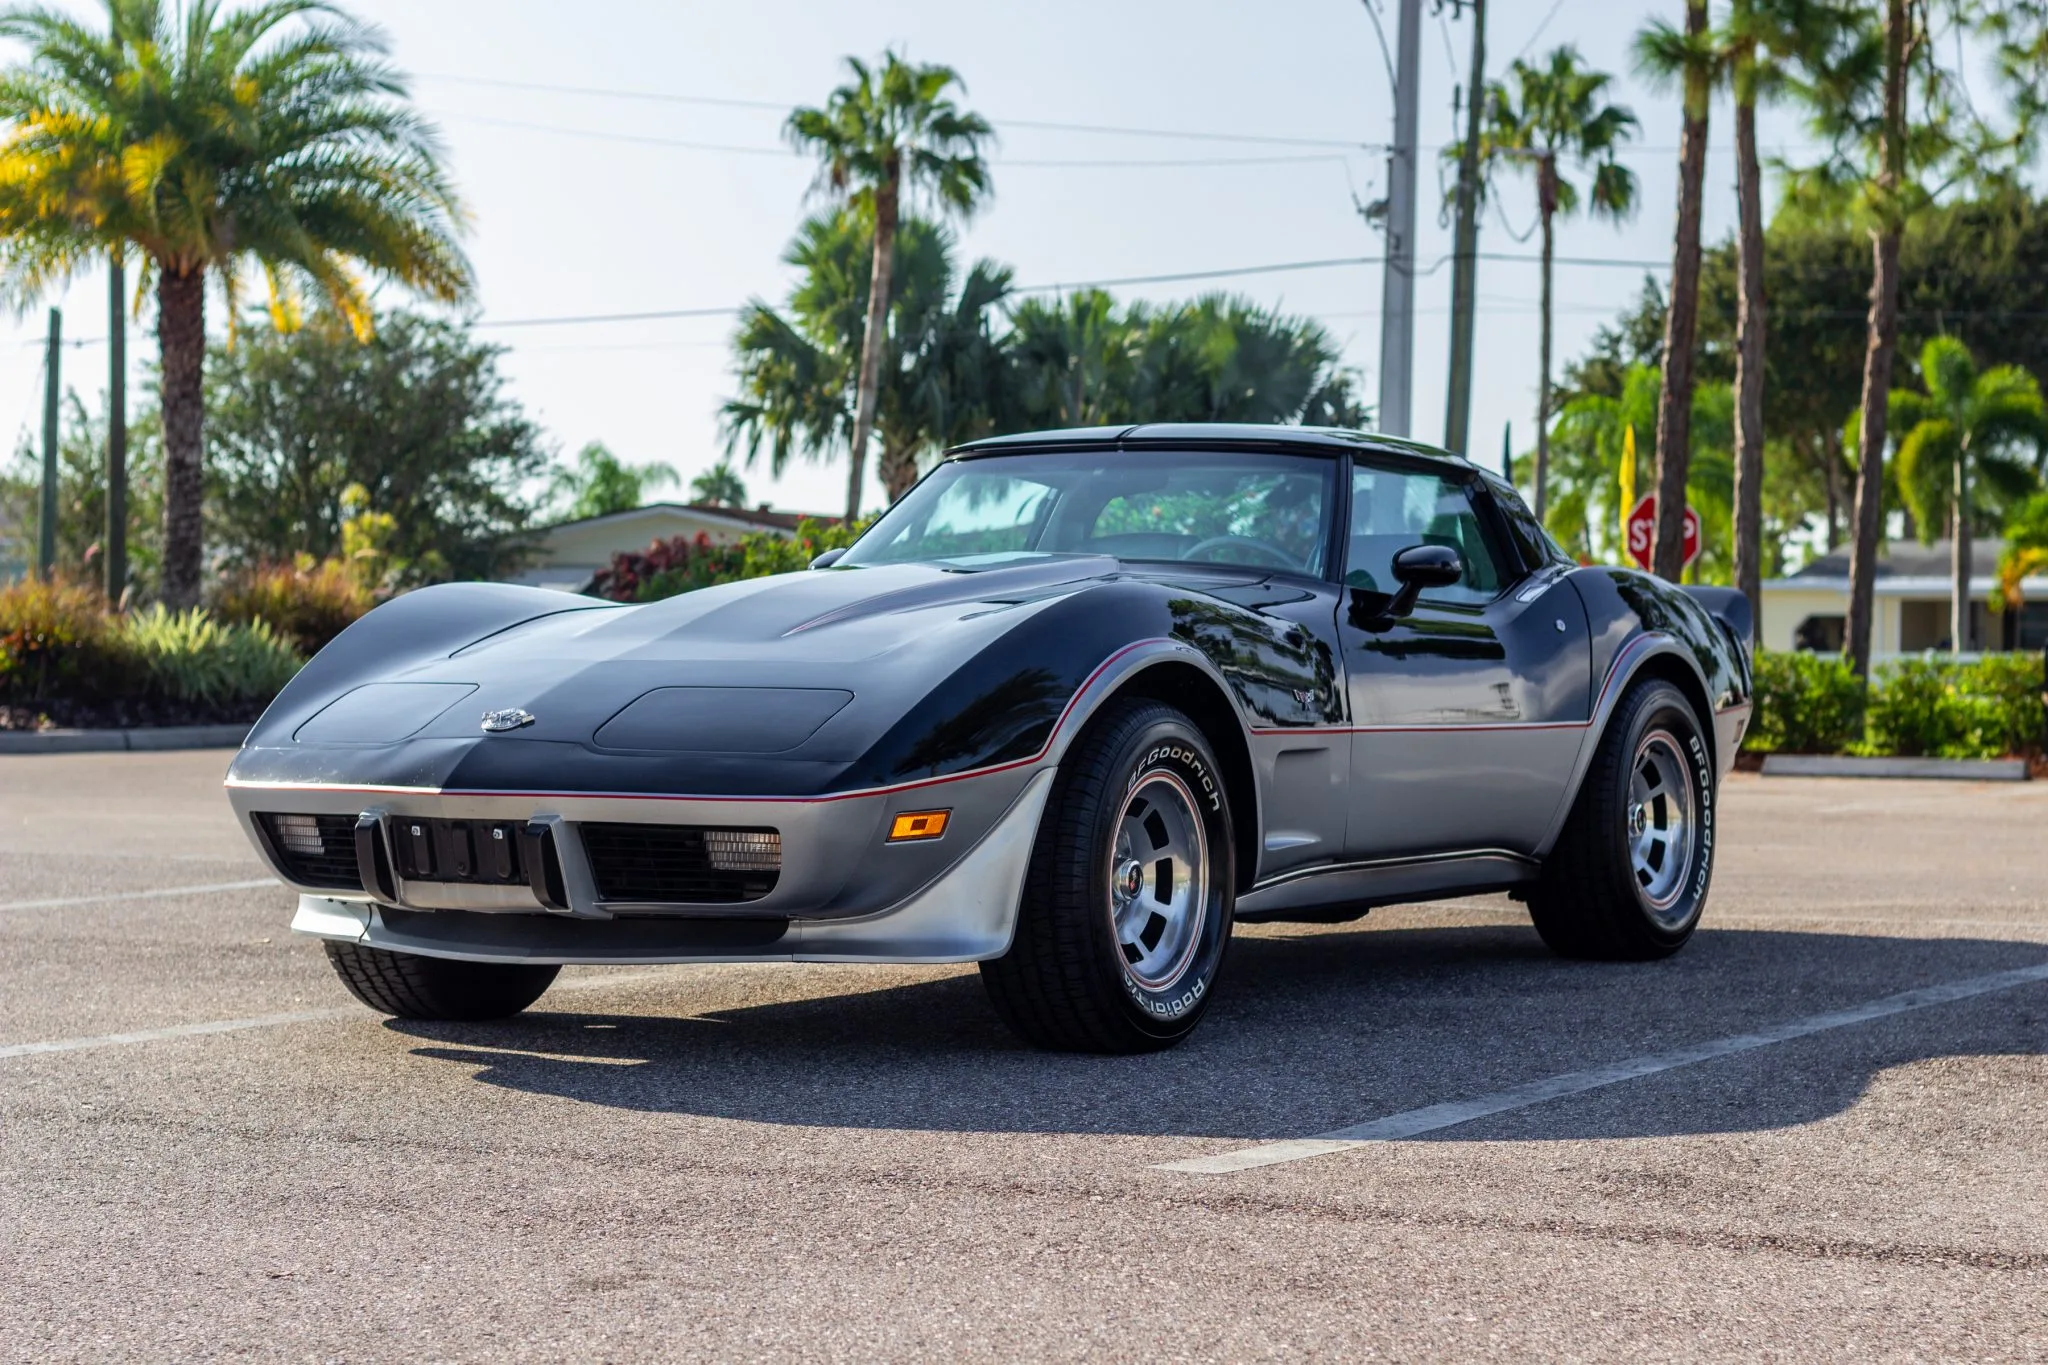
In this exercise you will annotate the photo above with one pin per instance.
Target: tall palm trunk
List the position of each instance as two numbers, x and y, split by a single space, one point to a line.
898 467
1674 401
1749 358
1960 636
181 341
1882 336
874 340
1546 198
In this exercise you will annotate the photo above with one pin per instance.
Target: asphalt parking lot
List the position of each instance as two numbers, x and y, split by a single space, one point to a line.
1820 1132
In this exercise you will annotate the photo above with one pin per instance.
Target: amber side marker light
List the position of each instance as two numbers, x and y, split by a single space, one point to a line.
918 824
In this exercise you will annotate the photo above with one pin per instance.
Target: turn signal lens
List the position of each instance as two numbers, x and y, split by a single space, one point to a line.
921 824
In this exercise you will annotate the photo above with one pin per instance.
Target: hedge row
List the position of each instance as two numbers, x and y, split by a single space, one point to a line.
1814 703
67 659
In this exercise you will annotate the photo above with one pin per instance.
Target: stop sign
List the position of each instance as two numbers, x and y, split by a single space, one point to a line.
1642 532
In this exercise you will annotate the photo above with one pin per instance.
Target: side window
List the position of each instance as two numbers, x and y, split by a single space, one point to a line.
1532 542
1392 509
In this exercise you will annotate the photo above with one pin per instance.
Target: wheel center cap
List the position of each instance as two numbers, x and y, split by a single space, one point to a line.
1130 878
1638 821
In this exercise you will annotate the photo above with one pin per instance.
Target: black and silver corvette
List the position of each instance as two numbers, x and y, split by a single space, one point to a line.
1076 704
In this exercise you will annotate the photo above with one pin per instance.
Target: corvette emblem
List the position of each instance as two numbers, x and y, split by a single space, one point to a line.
497 722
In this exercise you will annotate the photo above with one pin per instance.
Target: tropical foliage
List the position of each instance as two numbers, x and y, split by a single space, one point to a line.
962 357
600 484
891 133
272 142
1972 443
67 659
1542 117
719 486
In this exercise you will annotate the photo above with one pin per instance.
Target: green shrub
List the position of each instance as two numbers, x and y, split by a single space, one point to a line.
1942 709
308 602
191 657
54 640
1805 704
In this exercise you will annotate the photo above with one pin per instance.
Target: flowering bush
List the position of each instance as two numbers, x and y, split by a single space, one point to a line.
685 563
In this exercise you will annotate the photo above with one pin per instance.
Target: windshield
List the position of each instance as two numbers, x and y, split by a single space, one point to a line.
1261 511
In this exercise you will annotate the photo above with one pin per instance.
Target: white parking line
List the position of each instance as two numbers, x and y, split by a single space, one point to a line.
1416 1122
162 892
154 1035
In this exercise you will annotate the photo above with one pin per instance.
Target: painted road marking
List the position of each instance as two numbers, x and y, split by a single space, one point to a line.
154 1035
1416 1122
160 893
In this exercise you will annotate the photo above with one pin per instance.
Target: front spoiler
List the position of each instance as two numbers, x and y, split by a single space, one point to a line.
968 914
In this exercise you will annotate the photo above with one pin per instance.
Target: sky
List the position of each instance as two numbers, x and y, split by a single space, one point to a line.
562 126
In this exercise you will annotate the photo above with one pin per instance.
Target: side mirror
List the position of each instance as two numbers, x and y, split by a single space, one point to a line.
1415 568
827 559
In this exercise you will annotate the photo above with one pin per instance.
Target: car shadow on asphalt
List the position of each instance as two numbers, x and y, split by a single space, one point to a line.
1310 1032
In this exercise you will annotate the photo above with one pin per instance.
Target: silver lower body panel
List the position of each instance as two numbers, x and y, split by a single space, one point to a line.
967 914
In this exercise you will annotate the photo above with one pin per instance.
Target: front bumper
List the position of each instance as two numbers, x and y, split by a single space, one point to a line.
842 895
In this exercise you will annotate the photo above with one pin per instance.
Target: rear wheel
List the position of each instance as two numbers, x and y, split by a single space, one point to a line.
1629 875
1126 908
411 986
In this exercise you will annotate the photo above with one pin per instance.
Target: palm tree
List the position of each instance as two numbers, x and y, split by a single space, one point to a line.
883 136
939 365
1667 56
719 486
1763 43
2026 551
1971 428
1552 113
273 139
601 484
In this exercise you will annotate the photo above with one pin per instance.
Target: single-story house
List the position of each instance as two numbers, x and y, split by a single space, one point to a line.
572 553
1809 609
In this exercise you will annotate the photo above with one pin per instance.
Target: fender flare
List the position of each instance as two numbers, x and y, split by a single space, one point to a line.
1122 668
1644 648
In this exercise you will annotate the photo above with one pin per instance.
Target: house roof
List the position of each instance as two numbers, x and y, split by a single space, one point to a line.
1905 559
748 518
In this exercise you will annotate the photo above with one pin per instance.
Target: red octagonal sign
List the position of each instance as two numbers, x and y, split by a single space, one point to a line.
1642 531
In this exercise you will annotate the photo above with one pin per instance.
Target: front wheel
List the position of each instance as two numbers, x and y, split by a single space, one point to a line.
1126 908
1629 875
412 986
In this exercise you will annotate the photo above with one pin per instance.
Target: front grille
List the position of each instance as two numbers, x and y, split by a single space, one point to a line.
316 850
663 863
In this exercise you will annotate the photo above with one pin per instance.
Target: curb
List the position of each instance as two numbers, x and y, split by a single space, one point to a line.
1949 769
146 739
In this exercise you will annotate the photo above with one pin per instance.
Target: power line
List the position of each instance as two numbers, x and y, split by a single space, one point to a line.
664 97
1177 277
1537 32
687 144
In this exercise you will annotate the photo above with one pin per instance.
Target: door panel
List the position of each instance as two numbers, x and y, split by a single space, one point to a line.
1469 712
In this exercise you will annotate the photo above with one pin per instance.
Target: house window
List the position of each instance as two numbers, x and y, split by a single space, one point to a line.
1923 625
1820 634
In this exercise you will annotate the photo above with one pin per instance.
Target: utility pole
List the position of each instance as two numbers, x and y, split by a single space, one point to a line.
46 520
114 543
1465 244
1397 302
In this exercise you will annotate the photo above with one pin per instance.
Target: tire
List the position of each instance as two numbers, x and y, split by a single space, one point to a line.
1125 917
1629 875
411 986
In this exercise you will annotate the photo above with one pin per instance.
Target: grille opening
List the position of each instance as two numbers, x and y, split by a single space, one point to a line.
663 863
315 850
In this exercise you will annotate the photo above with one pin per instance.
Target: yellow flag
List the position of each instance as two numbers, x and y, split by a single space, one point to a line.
1628 483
